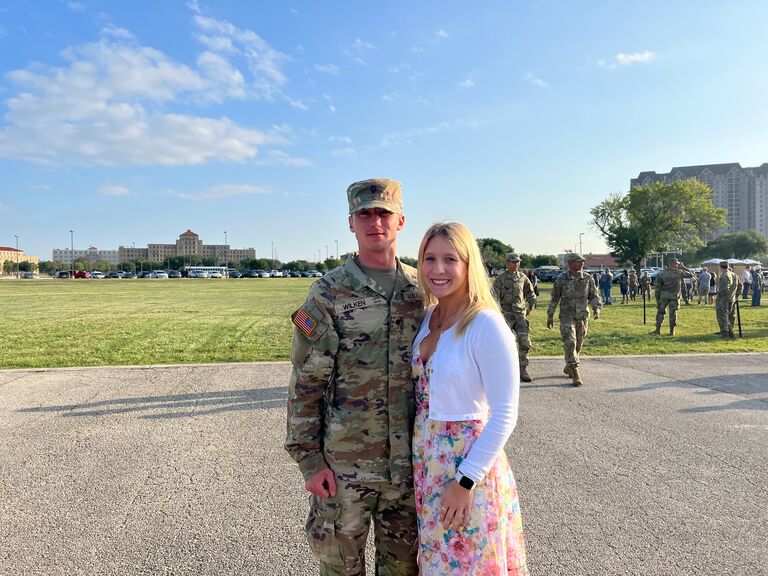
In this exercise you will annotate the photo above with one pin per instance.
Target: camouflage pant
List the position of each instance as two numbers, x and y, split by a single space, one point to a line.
518 323
726 315
337 529
661 306
573 331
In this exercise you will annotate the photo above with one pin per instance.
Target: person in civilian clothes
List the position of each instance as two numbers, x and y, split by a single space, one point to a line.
466 372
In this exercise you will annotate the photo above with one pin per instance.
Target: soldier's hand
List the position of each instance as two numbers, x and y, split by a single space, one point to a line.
596 314
322 484
528 312
550 323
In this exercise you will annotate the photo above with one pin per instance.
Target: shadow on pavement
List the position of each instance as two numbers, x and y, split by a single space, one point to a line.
177 406
753 389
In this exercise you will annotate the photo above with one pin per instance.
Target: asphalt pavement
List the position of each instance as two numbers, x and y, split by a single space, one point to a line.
656 466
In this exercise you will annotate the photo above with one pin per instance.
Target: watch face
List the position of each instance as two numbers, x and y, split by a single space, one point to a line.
467 483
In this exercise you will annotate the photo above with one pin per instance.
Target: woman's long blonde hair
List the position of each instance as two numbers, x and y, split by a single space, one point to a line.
479 293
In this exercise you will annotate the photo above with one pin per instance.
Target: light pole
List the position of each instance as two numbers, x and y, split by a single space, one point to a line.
17 255
581 251
71 253
226 247
326 251
273 254
337 249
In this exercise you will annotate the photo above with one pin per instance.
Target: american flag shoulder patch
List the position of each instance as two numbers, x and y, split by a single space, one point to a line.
304 321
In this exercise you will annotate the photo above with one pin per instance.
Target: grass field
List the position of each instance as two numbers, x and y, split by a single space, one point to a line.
56 323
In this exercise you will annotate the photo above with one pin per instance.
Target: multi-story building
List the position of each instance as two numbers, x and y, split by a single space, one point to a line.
743 192
188 244
8 254
91 255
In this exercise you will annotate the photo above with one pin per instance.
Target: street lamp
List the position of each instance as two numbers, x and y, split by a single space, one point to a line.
337 249
226 247
71 253
581 251
273 254
17 255
326 251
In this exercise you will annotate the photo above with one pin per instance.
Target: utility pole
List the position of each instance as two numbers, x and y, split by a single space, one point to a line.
226 247
337 249
581 251
17 256
71 253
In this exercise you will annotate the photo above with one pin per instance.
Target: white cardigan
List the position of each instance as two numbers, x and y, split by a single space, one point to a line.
476 377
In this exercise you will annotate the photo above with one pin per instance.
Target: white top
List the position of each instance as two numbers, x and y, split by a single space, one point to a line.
476 377
746 276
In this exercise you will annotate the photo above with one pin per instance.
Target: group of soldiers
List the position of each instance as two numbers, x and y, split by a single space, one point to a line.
575 292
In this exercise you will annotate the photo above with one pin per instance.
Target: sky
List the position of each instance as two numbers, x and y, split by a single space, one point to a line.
131 122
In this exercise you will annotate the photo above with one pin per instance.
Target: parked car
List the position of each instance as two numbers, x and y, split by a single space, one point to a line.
174 274
197 274
82 274
159 274
275 274
113 275
129 275
63 274
215 274
97 275
146 274
314 274
27 275
263 274
233 273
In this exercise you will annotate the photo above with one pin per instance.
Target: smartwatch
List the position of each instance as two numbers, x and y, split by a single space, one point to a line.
464 481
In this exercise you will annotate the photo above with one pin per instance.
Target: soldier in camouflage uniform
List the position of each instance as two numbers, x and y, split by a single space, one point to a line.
350 398
645 285
515 294
634 284
729 286
668 285
574 290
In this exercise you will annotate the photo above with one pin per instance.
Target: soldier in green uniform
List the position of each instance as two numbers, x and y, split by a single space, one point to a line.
668 285
515 294
729 286
574 290
350 397
645 285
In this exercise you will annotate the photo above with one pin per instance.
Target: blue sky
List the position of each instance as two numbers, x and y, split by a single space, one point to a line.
134 121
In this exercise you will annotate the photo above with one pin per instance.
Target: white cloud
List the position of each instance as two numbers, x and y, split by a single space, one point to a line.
342 139
622 59
112 190
627 59
441 34
110 102
361 61
332 109
285 159
221 191
407 136
361 45
327 68
38 187
3 208
76 6
467 83
535 81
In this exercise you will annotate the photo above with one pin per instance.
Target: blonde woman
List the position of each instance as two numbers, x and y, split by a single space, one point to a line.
466 374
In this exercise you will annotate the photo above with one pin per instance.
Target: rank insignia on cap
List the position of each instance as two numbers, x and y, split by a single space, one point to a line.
304 321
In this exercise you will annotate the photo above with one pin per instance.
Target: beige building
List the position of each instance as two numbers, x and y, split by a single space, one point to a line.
188 244
11 254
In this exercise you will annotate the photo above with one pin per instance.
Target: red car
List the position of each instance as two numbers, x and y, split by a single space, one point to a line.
82 274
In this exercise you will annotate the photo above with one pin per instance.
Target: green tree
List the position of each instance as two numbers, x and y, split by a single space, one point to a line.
409 261
494 252
655 217
50 267
9 267
26 266
749 244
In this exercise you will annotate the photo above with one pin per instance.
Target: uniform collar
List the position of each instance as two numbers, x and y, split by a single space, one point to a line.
359 279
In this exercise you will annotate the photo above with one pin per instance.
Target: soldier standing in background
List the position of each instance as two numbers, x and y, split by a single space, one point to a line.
350 397
746 280
704 278
728 290
634 284
517 299
573 290
758 285
669 282
645 285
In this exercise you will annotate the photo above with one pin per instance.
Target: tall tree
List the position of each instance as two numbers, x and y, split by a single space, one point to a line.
494 252
657 217
749 244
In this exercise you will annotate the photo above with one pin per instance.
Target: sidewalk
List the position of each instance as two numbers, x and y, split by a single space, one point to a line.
657 466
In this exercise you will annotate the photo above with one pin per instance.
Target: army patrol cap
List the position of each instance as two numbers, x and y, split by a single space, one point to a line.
573 257
375 193
512 257
723 263
673 261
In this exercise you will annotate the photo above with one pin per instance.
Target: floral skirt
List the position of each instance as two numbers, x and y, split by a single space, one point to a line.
492 542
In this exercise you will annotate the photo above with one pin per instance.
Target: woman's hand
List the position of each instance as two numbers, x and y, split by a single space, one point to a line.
455 506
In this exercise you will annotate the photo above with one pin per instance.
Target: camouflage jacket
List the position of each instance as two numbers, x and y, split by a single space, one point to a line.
574 292
645 281
350 397
729 286
669 282
634 283
514 292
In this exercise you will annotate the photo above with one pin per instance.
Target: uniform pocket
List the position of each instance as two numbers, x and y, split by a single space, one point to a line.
321 530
